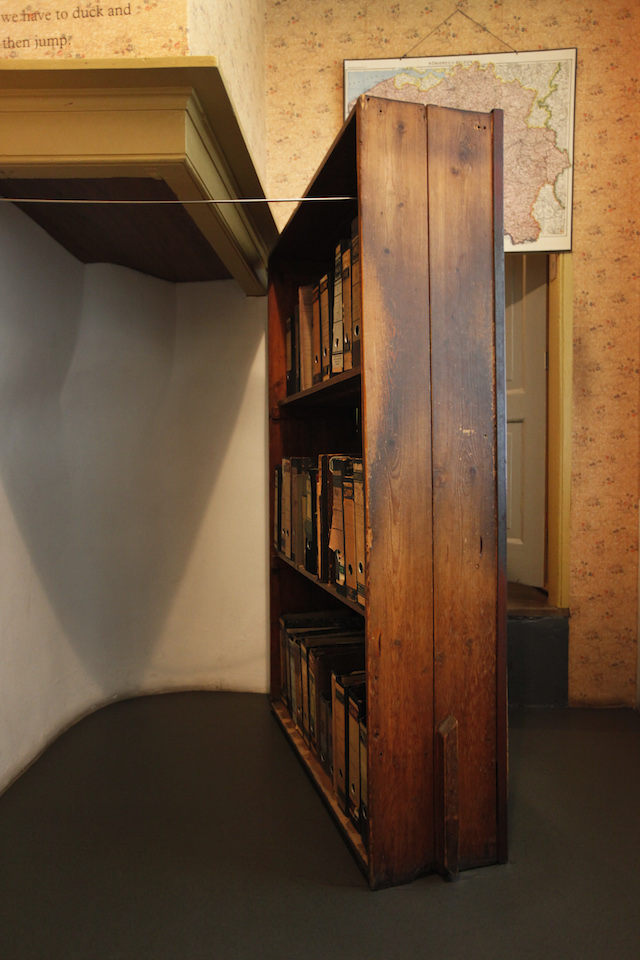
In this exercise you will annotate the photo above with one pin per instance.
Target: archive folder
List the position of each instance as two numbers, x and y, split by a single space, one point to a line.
337 324
316 334
356 714
297 530
325 736
337 469
325 324
339 687
277 507
358 500
364 781
290 346
305 336
299 487
324 507
347 361
310 522
356 303
349 520
285 536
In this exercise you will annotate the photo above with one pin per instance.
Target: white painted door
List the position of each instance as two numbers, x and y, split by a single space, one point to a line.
526 352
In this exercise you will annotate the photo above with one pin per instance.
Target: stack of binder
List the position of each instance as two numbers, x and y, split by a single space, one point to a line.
323 336
320 519
322 658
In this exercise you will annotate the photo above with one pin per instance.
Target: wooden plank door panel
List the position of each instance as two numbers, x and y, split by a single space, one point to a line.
461 259
397 455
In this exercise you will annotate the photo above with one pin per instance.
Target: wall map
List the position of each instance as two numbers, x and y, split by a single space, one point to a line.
536 91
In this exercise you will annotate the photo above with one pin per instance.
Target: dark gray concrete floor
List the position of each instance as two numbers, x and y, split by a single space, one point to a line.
181 826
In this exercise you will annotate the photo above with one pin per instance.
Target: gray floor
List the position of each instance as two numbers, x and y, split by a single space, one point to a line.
182 827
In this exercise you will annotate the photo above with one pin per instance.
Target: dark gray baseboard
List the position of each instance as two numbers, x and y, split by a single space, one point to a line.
538 661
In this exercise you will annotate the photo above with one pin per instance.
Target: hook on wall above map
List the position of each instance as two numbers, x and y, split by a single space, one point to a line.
536 91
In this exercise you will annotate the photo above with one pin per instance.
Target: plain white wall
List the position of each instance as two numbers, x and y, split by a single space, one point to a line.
132 488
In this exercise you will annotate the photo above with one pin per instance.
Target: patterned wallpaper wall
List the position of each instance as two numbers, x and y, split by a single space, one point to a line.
235 32
307 42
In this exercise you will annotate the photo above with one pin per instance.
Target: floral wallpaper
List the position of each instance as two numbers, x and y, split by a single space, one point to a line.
235 32
307 42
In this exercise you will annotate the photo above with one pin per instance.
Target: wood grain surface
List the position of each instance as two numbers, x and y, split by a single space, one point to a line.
464 460
397 454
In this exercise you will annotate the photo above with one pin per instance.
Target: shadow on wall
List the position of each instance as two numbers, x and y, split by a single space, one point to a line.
118 399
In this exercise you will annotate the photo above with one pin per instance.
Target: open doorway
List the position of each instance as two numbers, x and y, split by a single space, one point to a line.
537 348
526 321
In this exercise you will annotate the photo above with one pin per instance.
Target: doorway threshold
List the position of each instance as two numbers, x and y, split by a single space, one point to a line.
526 601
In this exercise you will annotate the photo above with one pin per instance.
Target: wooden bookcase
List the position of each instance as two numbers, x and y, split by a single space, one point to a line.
427 413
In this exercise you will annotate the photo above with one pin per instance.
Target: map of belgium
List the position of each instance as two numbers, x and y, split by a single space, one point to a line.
536 95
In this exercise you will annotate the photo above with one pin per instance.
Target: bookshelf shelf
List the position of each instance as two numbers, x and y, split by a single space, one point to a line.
340 387
425 413
327 587
323 784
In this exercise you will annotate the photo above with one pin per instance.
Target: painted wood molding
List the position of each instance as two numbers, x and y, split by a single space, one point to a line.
560 414
167 120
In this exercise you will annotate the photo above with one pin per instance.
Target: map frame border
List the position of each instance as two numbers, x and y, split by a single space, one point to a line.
360 74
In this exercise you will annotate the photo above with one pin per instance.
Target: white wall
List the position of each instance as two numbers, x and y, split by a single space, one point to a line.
132 488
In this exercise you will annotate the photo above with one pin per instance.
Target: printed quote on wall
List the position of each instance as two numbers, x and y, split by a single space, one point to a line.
92 29
53 23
